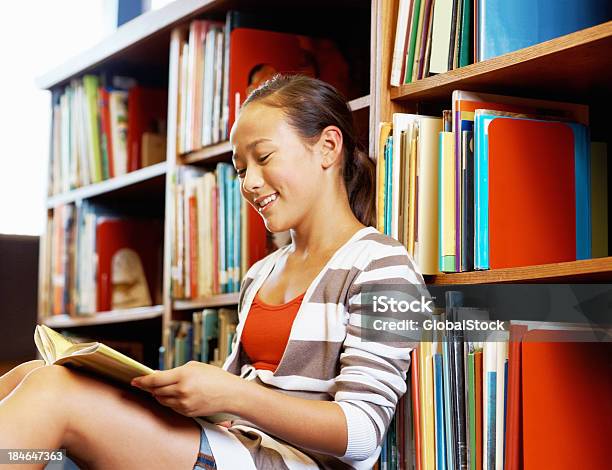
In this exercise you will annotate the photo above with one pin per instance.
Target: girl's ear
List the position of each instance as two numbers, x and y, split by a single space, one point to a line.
330 144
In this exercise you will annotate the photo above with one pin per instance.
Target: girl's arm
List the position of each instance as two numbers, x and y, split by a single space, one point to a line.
312 424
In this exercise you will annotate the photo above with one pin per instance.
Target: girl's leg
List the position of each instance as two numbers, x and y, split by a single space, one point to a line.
101 425
14 376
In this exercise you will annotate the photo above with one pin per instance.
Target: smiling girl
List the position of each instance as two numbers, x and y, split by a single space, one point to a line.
308 386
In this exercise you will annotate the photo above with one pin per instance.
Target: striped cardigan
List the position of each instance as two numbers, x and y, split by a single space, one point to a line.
326 358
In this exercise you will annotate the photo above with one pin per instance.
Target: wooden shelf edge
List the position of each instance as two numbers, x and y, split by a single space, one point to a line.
511 59
132 32
220 300
103 318
360 103
209 152
108 186
593 269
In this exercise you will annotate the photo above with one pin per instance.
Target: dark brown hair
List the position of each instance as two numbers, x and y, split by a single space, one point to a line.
310 105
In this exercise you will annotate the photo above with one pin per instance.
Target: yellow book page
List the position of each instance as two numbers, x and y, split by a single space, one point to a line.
107 362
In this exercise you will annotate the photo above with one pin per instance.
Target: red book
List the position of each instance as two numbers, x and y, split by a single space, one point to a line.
193 246
567 414
142 236
513 448
256 55
147 107
416 405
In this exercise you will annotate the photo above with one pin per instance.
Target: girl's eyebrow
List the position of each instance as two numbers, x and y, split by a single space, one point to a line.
253 144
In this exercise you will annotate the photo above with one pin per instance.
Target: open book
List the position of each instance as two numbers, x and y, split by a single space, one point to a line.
97 358
94 357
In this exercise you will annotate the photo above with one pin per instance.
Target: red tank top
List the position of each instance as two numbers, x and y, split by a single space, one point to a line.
266 331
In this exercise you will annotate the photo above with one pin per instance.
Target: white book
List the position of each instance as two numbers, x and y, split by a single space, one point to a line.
401 40
489 379
440 36
502 357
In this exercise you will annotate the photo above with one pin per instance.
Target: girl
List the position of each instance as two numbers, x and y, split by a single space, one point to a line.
308 385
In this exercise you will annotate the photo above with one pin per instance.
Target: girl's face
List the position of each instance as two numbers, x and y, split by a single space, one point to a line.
278 172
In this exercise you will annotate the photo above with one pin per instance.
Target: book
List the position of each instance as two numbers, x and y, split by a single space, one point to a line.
518 155
96 358
93 357
508 26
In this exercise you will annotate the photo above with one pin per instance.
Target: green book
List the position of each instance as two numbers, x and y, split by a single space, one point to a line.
465 42
90 85
471 409
414 26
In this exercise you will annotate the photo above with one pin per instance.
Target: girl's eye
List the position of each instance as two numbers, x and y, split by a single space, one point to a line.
240 172
264 158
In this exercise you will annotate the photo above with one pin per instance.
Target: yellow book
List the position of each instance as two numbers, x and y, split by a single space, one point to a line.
93 357
412 194
427 403
384 131
447 202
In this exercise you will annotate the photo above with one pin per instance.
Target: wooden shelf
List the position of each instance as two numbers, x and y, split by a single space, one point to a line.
102 318
132 180
591 270
210 154
576 66
220 300
360 103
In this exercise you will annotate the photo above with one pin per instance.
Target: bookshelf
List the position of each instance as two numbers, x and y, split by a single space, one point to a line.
143 49
576 68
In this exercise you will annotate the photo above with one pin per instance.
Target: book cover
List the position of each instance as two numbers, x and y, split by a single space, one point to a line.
129 259
447 254
508 26
566 390
522 153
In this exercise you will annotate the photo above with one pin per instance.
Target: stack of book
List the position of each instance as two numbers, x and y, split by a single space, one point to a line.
434 37
480 187
221 63
119 260
207 338
503 402
102 130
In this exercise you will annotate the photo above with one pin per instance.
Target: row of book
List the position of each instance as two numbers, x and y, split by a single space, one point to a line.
434 37
220 63
105 127
207 338
533 397
481 187
218 235
98 260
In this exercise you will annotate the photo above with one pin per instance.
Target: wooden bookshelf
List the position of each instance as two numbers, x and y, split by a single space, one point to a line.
104 318
143 180
213 301
576 65
590 270
210 154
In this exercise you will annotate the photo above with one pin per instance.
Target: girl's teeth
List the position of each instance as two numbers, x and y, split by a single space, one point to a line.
267 200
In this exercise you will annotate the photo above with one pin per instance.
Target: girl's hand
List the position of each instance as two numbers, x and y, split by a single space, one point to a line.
193 389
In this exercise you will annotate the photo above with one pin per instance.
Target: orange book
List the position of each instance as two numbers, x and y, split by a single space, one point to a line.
531 175
140 235
567 414
513 449
193 245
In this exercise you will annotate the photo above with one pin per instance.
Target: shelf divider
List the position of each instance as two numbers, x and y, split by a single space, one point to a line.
103 318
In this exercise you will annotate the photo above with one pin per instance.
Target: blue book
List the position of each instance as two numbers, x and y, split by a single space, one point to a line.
439 413
388 188
505 26
582 165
